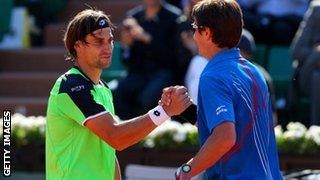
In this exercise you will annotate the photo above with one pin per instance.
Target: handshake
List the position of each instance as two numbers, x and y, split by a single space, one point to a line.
175 100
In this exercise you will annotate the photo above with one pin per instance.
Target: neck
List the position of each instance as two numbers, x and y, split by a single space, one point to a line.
213 52
93 73
152 11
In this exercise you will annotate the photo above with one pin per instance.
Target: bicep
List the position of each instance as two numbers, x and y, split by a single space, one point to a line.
225 130
103 126
224 136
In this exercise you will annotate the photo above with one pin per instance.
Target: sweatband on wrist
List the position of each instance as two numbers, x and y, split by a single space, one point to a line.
158 115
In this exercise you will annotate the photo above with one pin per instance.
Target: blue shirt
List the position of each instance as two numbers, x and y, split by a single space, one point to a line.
232 89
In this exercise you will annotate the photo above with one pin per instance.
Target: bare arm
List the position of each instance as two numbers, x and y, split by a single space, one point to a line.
219 143
121 135
190 114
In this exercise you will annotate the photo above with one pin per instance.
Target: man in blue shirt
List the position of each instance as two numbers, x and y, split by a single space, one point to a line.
234 113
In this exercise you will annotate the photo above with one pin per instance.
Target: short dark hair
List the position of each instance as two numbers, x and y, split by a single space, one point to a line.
223 18
82 24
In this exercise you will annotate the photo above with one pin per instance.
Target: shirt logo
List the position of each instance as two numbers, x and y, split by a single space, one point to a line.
221 109
156 113
77 88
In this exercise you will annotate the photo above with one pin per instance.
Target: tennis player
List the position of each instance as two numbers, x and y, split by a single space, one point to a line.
234 113
82 133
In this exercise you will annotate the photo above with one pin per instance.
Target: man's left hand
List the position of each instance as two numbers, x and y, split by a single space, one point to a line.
180 175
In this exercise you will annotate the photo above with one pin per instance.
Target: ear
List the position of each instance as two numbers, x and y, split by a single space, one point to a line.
77 46
208 34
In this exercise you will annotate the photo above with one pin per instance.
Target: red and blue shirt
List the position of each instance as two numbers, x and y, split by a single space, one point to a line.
231 89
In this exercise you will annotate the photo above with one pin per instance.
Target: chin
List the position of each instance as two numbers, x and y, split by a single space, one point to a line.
104 63
104 66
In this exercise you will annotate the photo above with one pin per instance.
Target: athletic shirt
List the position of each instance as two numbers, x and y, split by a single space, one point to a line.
72 150
233 90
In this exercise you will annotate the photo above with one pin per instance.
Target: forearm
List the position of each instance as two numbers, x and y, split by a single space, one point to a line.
132 131
120 135
207 156
218 144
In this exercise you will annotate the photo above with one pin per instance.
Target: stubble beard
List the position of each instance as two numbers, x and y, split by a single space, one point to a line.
101 64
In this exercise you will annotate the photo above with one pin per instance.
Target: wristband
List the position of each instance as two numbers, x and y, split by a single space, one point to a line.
158 115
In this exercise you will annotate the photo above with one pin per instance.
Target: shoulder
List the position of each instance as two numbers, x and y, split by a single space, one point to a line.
172 10
136 11
219 75
212 78
219 70
73 83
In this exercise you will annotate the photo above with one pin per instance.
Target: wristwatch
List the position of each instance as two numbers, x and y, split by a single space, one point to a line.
186 168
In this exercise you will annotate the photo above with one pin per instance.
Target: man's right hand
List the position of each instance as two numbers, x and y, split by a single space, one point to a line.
166 96
179 100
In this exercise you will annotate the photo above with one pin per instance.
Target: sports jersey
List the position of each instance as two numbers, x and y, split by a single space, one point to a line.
72 150
231 89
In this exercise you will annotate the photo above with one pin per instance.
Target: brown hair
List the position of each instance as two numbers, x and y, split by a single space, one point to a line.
82 24
223 18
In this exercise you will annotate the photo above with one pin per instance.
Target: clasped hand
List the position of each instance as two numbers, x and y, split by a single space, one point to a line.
175 100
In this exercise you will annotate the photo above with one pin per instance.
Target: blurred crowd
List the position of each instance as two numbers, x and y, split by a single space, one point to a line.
158 50
151 47
39 12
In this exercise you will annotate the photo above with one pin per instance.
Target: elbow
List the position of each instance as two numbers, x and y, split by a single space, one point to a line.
225 135
226 145
231 141
117 145
119 148
228 141
112 139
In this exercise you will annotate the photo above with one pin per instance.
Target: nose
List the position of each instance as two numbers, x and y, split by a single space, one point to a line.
108 47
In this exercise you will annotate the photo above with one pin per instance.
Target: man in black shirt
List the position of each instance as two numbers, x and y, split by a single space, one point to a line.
148 40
